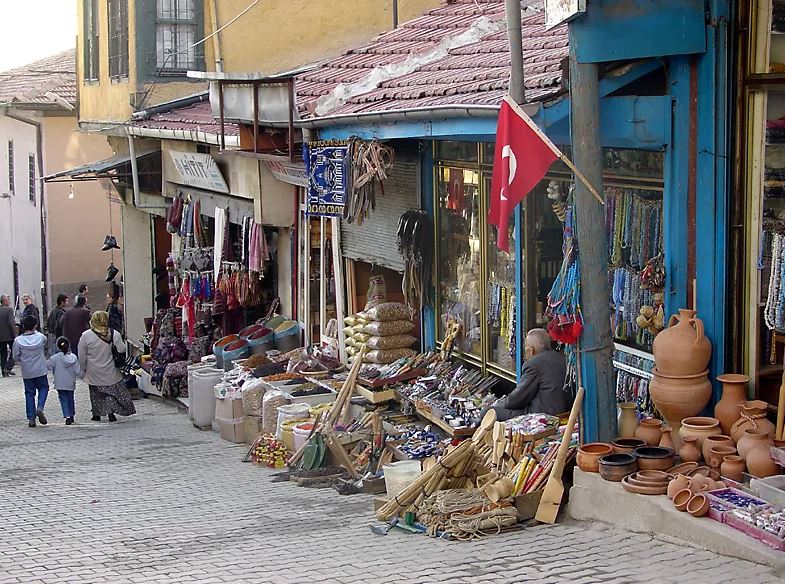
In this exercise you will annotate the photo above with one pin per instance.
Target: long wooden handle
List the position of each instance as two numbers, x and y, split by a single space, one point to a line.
558 466
780 430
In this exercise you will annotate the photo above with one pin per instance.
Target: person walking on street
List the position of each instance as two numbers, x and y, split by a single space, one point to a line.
31 310
65 367
7 335
83 292
113 308
29 350
74 322
108 392
54 328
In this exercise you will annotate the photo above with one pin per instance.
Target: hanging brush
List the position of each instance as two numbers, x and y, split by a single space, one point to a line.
415 244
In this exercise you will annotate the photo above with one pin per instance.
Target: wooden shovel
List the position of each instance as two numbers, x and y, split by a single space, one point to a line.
554 488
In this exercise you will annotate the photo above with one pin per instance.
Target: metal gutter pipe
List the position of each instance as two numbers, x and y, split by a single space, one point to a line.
170 105
135 178
219 61
189 135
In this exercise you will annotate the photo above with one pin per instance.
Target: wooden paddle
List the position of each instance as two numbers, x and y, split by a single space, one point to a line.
554 488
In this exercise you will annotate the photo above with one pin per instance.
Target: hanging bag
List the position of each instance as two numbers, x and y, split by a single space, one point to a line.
117 356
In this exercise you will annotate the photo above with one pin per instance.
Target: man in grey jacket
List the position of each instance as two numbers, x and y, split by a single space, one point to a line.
29 351
541 389
7 334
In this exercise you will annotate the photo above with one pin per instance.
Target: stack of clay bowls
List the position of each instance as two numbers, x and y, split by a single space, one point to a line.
647 482
680 387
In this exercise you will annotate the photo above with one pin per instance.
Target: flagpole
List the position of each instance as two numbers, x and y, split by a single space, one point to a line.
536 129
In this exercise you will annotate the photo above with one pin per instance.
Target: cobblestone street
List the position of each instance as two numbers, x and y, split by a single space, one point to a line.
152 499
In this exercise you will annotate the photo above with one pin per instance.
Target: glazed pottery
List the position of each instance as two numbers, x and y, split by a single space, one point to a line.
682 348
753 438
654 458
718 440
760 463
680 483
681 499
588 458
614 467
698 506
733 467
665 440
734 392
699 484
650 431
689 451
679 397
682 468
753 416
643 490
700 427
626 445
717 454
628 419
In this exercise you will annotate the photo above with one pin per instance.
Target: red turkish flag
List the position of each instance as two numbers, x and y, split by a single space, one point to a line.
522 157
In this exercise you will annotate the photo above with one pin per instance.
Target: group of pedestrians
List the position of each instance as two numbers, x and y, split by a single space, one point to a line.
80 345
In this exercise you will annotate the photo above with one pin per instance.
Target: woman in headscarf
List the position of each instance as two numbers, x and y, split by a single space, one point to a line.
108 392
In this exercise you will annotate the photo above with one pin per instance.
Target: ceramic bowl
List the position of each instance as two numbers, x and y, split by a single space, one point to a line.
643 490
683 468
626 445
700 470
635 479
614 467
654 457
681 499
698 506
588 457
679 483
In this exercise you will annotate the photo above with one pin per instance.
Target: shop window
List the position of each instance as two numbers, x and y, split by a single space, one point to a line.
90 40
450 150
118 38
175 34
11 167
31 177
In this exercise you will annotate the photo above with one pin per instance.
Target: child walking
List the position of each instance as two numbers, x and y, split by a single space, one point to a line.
28 351
66 369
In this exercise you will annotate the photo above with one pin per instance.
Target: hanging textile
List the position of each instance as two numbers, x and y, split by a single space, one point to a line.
218 246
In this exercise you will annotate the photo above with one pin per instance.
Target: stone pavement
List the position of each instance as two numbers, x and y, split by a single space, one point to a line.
152 499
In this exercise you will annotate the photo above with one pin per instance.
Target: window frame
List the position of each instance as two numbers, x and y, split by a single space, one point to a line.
117 34
91 42
11 169
176 25
31 178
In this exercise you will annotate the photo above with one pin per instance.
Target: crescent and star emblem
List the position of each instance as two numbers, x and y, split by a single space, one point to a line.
512 164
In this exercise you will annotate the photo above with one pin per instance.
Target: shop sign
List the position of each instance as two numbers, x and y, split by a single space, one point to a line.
197 170
559 11
292 173
328 179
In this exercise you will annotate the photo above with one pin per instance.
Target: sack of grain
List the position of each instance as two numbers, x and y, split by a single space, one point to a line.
385 329
391 342
383 357
390 311
361 338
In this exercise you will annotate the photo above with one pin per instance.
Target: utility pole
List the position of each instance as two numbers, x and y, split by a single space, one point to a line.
599 422
512 10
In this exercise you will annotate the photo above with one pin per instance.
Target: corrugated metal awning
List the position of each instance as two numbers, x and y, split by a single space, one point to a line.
99 169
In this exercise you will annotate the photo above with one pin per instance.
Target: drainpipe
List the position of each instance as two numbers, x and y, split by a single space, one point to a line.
135 177
395 13
512 9
39 145
219 62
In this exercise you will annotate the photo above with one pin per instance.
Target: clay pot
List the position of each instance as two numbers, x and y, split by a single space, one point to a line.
698 506
753 438
718 440
701 470
681 499
733 467
682 468
734 392
717 454
588 457
699 484
760 463
628 419
665 440
650 431
634 479
700 427
643 489
689 452
680 483
753 416
682 348
626 445
614 467
654 476
679 397
654 458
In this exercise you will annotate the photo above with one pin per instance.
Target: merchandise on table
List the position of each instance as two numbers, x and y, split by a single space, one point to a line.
269 451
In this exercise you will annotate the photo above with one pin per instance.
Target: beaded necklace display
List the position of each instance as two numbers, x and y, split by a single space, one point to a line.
774 313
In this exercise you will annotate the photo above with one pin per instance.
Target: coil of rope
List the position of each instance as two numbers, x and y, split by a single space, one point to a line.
370 162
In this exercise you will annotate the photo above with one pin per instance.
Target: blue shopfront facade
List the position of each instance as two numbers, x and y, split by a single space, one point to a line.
670 97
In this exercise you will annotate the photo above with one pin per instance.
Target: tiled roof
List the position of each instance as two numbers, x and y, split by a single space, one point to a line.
454 55
30 83
198 117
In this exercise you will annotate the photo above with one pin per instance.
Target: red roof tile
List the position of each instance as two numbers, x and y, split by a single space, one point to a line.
476 73
30 83
198 117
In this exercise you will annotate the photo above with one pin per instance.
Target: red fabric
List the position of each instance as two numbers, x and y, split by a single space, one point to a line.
520 161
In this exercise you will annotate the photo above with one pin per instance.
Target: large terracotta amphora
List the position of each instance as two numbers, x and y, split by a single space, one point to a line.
753 416
679 397
682 348
734 392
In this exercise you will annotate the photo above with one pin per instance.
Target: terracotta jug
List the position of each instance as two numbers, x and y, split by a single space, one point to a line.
700 427
678 483
679 397
753 416
718 440
733 467
753 438
682 348
689 452
760 463
666 441
628 419
734 392
650 431
717 454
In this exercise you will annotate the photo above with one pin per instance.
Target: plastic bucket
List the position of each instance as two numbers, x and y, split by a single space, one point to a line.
287 434
249 330
219 345
287 343
399 475
202 407
235 350
301 432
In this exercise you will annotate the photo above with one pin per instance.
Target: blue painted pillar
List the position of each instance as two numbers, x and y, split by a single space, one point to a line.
426 192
